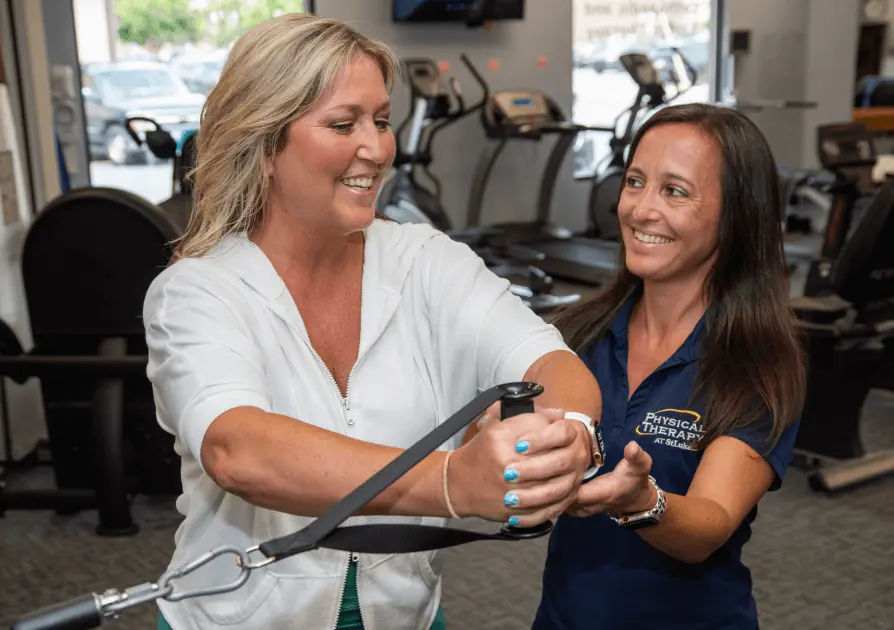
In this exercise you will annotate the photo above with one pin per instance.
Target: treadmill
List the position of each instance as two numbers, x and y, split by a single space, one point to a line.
521 114
404 200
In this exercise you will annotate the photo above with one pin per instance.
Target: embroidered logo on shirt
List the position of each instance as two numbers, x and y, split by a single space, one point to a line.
677 428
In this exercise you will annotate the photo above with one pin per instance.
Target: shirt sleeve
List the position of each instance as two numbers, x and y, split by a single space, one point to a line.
202 358
480 329
779 455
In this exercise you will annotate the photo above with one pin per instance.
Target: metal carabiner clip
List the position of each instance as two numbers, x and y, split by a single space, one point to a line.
241 561
260 563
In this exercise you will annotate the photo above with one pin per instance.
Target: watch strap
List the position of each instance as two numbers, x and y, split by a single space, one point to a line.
598 445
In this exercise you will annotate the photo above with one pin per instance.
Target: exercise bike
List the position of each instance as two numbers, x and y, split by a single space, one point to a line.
847 314
651 96
404 199
847 151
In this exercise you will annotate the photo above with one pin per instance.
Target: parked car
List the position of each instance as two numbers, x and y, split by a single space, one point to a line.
199 73
113 92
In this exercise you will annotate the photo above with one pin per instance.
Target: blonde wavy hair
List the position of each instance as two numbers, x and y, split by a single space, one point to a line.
275 73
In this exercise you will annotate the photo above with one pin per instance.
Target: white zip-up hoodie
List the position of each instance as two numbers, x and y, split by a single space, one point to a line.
223 331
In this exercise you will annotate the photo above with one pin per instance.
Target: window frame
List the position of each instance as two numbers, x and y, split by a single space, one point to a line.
717 62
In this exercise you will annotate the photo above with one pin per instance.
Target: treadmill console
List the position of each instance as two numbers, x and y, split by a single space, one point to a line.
640 68
845 145
522 107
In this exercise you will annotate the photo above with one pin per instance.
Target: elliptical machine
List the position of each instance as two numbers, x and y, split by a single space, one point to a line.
402 197
405 200
651 95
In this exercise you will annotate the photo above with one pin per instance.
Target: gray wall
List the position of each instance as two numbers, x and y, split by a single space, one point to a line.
834 28
545 31
800 50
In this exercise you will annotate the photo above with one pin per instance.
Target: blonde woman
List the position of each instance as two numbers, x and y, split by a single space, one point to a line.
298 343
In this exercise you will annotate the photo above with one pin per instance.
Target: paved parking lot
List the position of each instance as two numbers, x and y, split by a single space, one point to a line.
152 181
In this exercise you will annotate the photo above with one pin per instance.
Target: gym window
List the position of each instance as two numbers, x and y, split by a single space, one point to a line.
129 65
604 30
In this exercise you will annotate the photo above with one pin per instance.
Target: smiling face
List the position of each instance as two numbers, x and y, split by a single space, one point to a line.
331 167
670 204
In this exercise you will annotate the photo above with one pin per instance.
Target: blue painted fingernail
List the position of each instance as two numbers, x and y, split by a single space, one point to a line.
510 499
510 474
521 446
514 521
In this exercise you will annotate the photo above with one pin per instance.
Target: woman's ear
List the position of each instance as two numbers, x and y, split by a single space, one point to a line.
268 163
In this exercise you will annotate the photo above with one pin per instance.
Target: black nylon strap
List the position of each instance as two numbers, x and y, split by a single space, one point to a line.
311 536
400 538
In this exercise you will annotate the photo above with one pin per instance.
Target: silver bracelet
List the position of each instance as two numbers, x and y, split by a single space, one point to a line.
651 516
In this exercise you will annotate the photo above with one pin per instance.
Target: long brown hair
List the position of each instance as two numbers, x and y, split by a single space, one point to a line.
752 357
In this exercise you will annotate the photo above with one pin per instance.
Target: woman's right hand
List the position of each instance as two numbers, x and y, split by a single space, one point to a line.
525 470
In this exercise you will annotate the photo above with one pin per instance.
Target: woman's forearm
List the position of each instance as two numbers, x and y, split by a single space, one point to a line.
283 464
691 529
567 384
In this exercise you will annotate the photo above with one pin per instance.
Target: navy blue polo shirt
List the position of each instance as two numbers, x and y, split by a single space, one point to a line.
599 576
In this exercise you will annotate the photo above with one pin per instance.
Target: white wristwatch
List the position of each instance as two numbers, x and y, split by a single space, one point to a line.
596 442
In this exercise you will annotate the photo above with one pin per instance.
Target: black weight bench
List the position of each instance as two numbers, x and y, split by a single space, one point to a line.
87 262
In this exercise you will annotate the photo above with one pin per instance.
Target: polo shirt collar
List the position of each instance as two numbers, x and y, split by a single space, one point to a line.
619 329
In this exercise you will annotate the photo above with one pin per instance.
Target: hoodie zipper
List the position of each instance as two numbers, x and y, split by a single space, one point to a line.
346 406
345 400
344 587
355 558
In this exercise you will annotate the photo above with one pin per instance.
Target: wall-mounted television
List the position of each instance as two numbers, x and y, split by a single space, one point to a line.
457 10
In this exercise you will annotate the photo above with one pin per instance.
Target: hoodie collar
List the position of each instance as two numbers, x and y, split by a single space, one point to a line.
241 256
389 253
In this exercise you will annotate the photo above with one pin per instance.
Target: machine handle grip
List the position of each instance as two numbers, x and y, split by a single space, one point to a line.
460 101
76 614
519 399
480 79
132 132
693 73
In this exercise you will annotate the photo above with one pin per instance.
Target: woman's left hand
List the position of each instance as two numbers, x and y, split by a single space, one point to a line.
624 490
